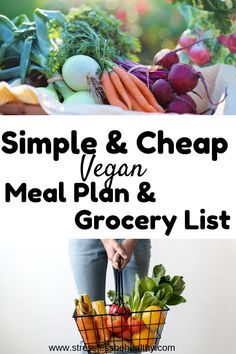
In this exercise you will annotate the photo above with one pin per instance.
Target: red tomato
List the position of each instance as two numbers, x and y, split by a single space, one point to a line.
125 334
136 324
116 323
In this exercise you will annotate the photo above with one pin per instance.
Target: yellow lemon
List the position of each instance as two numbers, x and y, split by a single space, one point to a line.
153 317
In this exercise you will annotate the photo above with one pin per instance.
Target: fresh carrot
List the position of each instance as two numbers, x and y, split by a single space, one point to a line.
87 328
110 91
85 323
99 309
101 326
135 105
146 93
133 89
120 88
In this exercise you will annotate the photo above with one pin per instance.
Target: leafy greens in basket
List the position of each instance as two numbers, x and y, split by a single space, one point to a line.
160 290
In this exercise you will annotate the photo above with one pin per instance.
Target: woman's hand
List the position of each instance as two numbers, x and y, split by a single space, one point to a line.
128 246
113 248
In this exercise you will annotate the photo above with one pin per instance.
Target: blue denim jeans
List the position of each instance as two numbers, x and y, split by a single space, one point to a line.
89 264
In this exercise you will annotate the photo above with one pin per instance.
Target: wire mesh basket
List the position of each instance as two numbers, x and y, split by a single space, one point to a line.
121 331
109 332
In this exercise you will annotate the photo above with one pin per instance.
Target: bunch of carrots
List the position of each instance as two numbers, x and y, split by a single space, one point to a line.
128 92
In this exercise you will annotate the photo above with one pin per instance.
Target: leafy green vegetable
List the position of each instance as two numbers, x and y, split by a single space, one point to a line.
112 297
107 26
146 300
160 290
165 279
94 33
7 29
11 73
175 299
147 284
158 271
25 58
130 303
25 47
157 302
80 38
7 37
21 20
178 284
163 290
136 295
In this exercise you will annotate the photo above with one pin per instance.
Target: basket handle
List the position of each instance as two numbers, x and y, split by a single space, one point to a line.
119 298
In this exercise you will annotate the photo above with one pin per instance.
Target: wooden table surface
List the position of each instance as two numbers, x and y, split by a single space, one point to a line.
21 109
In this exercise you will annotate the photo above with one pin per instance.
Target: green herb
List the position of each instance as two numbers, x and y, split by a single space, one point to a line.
80 38
94 33
108 27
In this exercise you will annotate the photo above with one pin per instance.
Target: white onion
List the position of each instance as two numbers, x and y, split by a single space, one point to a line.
78 70
81 97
